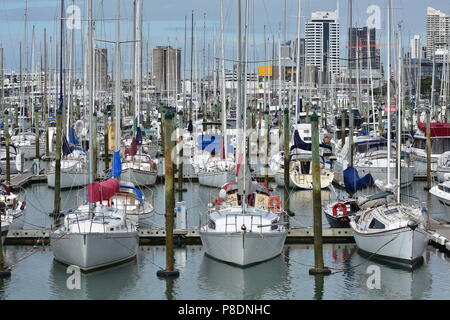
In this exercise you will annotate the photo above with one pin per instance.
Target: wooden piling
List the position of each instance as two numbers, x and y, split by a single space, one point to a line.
94 146
106 138
169 185
317 200
286 159
8 155
428 150
267 142
38 134
57 193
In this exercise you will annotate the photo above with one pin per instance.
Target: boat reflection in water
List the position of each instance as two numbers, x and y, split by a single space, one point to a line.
396 280
254 282
112 283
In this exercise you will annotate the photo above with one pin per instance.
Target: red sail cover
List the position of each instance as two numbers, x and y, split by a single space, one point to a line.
133 149
99 191
437 129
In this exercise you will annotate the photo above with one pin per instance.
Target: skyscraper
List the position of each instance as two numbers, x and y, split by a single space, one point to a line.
438 31
359 41
416 47
322 42
167 69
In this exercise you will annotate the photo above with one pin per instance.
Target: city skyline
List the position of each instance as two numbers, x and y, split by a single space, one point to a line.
165 20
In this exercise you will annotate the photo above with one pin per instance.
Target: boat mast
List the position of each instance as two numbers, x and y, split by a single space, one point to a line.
388 104
90 74
117 86
399 113
223 94
138 59
297 69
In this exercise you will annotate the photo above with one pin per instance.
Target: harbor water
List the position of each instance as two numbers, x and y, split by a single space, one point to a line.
37 276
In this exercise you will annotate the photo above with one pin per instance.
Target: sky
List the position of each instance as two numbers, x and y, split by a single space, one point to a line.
164 23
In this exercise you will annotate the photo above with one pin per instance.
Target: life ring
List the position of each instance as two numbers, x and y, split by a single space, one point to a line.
277 204
218 201
413 156
339 205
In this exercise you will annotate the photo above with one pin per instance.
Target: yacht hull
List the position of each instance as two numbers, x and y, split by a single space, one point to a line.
403 245
139 177
91 251
69 179
215 179
243 249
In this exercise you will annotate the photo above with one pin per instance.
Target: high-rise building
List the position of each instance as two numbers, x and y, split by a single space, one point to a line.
438 31
167 69
322 42
360 46
416 47
101 69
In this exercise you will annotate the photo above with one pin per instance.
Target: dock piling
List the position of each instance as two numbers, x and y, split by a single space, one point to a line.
169 185
319 268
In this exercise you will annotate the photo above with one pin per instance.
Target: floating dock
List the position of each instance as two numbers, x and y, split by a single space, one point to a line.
439 236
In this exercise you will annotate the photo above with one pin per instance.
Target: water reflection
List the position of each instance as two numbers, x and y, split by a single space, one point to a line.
396 281
242 283
112 283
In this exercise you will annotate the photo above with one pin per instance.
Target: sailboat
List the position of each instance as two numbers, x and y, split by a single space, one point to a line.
391 230
96 235
74 168
138 167
244 226
213 170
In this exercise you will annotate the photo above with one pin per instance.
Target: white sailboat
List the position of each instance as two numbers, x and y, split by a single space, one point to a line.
217 170
138 167
96 235
391 230
244 226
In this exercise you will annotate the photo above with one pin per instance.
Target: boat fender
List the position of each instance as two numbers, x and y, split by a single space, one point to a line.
413 156
277 203
22 206
218 201
339 205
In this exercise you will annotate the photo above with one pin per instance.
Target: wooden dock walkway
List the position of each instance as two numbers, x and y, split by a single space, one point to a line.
439 236
185 236
23 179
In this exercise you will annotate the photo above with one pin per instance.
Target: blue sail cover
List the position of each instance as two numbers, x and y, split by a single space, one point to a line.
136 190
72 138
138 135
300 144
66 148
116 166
353 182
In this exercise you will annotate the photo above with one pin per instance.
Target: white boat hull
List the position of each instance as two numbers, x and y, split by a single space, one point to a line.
90 251
405 245
139 177
29 152
69 179
215 179
243 249
443 199
379 173
441 172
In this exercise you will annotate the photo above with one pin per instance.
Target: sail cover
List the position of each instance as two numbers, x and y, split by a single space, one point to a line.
66 148
300 144
117 166
99 191
437 129
353 182
132 150
138 135
72 138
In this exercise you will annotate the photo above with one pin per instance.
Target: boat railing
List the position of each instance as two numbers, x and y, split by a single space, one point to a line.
253 222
